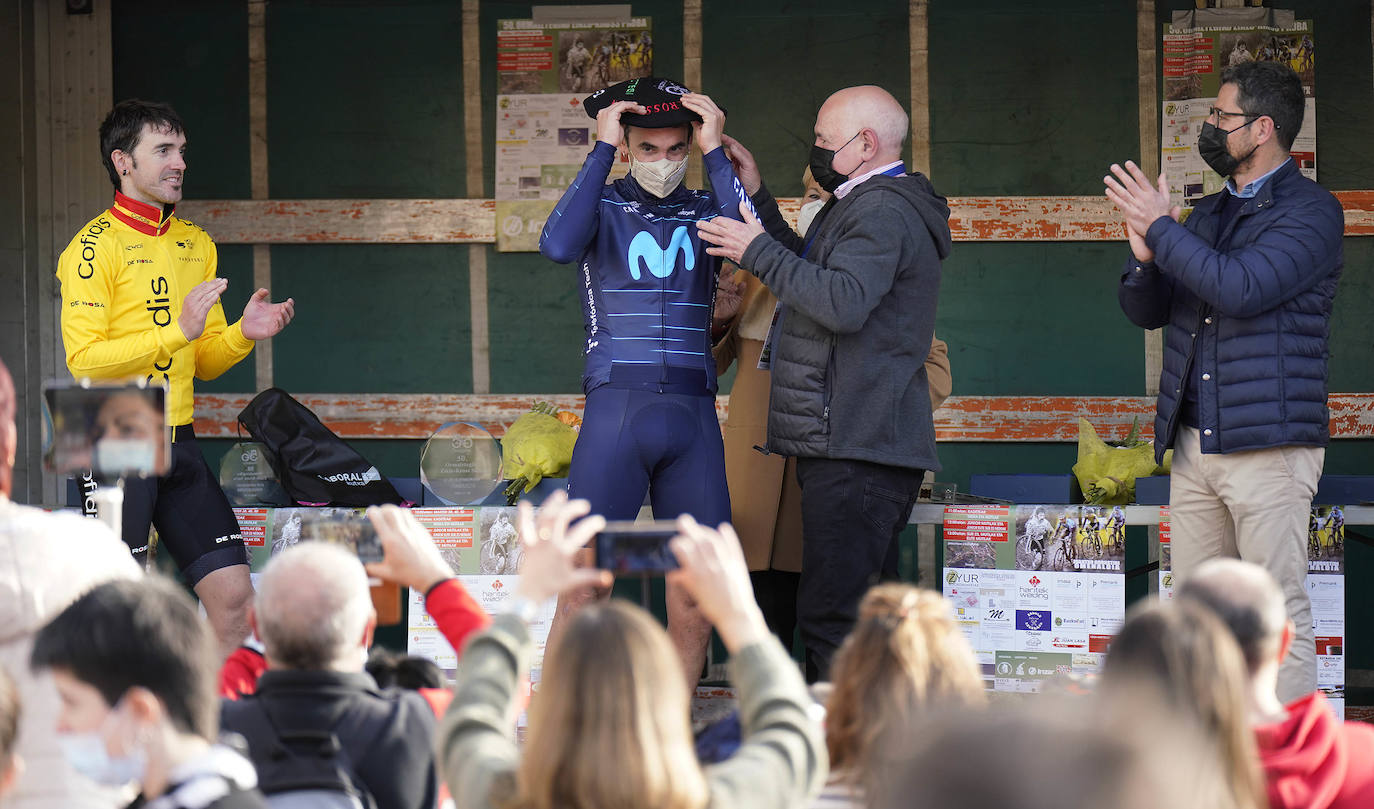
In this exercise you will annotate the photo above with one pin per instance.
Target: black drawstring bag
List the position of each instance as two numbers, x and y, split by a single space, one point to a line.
315 466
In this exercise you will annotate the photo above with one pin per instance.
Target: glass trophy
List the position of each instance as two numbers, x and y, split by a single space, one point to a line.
461 464
248 479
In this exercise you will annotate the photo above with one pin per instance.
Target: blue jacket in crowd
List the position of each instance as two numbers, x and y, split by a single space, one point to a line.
1249 324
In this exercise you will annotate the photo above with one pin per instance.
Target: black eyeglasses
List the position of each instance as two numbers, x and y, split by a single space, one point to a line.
1219 114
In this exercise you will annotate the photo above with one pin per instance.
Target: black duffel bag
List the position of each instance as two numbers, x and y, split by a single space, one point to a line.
315 466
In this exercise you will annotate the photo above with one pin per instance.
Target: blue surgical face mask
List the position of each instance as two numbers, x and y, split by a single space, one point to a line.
87 754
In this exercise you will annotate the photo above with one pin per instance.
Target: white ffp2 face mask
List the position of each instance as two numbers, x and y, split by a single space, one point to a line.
807 215
660 177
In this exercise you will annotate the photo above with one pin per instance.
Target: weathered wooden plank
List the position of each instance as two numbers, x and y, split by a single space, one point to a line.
962 418
918 37
364 221
1014 219
1359 212
473 221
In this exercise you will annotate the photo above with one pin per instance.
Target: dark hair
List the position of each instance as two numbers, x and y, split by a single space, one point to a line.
9 718
124 126
143 633
403 671
1272 89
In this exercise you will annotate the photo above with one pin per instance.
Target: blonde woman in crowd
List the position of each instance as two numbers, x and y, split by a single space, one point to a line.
610 726
1183 657
905 658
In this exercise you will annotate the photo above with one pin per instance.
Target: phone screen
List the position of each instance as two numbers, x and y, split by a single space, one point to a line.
352 530
636 547
111 430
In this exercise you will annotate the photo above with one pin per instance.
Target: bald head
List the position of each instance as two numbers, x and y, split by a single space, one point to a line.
866 107
1247 599
313 608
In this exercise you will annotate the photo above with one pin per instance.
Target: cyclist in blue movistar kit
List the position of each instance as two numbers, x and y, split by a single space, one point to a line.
647 287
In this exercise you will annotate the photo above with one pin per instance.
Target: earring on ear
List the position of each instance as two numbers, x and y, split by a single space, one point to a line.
126 172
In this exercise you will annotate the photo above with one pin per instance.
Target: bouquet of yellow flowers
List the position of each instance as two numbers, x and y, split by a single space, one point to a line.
538 445
1107 473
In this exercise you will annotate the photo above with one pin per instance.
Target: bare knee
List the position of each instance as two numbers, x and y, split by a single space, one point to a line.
227 594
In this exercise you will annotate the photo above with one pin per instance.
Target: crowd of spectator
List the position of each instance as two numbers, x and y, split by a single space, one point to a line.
113 693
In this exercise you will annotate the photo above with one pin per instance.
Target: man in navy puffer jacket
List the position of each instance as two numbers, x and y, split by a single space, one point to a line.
1246 288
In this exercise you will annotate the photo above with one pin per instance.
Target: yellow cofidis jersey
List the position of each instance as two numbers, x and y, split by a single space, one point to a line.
123 279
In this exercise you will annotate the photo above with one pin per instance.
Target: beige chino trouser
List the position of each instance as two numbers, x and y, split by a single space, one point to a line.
1253 505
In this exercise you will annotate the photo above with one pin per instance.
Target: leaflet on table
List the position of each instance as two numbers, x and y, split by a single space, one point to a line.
1325 589
1197 46
1057 590
544 71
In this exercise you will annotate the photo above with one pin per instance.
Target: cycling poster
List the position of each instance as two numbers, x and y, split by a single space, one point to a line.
1325 589
545 68
1197 46
1038 590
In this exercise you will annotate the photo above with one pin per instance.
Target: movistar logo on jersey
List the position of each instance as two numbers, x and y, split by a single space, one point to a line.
660 261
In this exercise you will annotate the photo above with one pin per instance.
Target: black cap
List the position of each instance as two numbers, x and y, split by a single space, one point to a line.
662 97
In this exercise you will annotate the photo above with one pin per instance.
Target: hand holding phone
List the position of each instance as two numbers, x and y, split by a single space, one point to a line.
629 547
352 530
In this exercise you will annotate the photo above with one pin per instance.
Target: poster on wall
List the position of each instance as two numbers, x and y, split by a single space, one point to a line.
544 70
1325 588
482 546
1038 590
1197 46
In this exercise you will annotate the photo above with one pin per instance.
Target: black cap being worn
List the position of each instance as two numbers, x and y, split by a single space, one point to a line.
660 96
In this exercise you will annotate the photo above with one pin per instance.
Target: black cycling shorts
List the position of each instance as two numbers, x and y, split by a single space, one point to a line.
193 518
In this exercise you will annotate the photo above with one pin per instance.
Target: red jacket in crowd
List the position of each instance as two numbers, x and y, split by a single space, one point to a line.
455 614
1312 760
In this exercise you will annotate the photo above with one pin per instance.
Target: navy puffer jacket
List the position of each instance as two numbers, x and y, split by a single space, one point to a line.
1249 325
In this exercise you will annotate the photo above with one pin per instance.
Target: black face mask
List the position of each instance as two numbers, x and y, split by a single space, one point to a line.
822 169
1211 145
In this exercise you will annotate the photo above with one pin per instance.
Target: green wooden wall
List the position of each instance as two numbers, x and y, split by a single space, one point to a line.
365 101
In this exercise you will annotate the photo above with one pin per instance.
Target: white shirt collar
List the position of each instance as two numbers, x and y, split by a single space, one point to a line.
852 183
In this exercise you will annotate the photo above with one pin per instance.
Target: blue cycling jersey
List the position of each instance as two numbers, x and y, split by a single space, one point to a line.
648 285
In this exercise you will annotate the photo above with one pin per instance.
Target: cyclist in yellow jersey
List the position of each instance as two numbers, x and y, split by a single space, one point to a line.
140 300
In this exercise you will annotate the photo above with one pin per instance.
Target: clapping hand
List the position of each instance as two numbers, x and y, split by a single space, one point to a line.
1141 203
263 319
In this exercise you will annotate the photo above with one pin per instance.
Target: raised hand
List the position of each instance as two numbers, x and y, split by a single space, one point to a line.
263 319
712 124
714 573
1140 202
550 541
409 557
609 129
745 167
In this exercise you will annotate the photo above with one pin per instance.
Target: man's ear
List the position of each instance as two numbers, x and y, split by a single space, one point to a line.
122 160
144 705
370 629
1268 129
253 621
